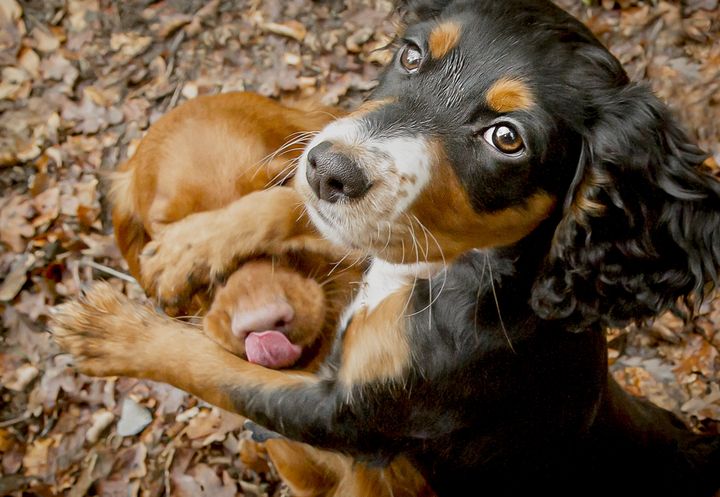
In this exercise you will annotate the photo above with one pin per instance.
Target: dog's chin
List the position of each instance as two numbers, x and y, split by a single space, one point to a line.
327 228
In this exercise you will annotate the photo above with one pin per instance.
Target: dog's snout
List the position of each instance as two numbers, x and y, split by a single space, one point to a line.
333 175
272 316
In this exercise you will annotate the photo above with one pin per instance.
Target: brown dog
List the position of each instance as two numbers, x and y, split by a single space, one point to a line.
279 309
205 155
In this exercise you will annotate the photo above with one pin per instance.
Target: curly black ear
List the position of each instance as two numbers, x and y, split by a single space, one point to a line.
641 226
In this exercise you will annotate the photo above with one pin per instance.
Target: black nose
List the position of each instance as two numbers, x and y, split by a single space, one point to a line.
333 175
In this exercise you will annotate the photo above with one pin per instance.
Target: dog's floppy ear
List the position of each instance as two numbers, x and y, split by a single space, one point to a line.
641 225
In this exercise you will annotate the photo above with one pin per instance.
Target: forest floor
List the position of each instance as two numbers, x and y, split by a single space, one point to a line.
80 82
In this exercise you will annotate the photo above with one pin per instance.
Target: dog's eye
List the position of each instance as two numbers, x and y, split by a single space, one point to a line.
505 138
410 57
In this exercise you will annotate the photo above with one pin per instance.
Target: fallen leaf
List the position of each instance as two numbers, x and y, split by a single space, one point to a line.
101 420
16 277
35 461
291 29
21 378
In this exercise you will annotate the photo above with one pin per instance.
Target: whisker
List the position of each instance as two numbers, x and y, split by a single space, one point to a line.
286 148
303 213
444 263
497 304
291 168
477 297
414 283
330 114
337 264
293 139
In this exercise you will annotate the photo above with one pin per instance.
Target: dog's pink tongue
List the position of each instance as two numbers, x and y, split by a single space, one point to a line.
271 349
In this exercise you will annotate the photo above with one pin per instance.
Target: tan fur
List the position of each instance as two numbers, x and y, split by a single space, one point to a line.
443 38
145 344
375 345
397 480
371 106
509 95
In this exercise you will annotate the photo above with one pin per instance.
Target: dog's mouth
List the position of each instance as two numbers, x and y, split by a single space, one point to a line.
271 349
265 333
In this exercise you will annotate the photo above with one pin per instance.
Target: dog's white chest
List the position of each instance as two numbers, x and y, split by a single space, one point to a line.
382 280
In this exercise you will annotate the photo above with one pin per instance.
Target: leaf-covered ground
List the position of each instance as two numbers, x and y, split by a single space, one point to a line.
80 82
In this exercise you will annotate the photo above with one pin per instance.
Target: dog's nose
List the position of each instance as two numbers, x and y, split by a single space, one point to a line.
333 175
274 316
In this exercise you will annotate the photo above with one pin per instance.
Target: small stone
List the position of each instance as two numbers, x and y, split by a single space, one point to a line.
133 419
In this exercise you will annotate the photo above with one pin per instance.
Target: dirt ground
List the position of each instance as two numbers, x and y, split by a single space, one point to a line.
80 82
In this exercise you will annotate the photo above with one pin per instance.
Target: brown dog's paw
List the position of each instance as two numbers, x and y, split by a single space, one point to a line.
183 258
104 331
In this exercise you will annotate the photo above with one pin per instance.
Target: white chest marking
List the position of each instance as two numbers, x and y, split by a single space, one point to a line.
382 280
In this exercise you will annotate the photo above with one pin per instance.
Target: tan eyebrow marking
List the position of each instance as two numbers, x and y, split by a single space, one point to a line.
371 106
443 38
508 95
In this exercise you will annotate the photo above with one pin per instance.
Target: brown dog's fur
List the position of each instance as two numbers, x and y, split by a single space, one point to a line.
216 153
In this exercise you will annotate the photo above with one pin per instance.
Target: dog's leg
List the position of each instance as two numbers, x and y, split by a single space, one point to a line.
194 251
319 473
109 335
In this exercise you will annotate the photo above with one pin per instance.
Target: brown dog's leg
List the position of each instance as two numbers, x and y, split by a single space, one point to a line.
112 336
194 251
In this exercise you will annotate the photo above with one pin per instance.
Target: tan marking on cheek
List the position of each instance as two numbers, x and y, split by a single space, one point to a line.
375 345
443 38
445 210
509 95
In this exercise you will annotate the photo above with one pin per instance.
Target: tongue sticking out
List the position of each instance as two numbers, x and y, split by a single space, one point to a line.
271 349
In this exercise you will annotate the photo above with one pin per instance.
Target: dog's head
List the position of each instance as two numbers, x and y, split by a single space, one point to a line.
496 117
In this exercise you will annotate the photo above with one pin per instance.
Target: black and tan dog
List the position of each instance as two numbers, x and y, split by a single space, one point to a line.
518 194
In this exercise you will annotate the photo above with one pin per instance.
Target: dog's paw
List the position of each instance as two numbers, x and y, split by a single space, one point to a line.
104 331
183 258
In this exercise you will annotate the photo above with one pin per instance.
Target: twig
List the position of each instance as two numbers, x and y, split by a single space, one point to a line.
108 270
14 421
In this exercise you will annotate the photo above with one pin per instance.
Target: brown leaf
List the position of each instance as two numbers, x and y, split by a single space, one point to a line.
14 222
35 460
16 277
291 29
699 356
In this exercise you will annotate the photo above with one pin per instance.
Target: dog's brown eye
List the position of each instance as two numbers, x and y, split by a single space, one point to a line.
505 138
411 57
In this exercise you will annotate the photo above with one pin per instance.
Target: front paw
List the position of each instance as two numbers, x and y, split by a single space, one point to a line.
104 331
180 261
